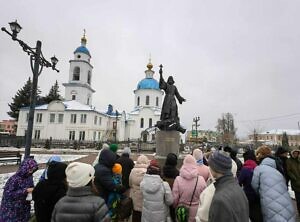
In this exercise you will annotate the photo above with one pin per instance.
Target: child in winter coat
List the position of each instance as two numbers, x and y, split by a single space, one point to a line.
114 197
135 178
14 206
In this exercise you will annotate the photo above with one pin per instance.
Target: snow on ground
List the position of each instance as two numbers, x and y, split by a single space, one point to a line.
40 158
52 150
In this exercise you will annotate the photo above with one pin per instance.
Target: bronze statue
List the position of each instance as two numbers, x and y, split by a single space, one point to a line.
169 119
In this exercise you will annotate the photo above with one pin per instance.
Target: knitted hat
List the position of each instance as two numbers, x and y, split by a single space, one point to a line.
249 155
79 174
154 168
280 150
220 162
105 146
126 151
142 159
262 152
189 159
197 153
113 147
117 168
56 171
171 159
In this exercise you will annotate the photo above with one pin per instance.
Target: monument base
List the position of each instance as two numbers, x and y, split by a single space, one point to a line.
166 142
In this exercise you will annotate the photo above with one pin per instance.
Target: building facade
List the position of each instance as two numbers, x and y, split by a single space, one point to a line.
8 127
76 118
274 137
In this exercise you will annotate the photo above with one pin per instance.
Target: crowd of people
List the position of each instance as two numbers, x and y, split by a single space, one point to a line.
208 187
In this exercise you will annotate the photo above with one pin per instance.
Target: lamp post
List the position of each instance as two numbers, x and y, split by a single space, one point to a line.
116 126
37 62
196 120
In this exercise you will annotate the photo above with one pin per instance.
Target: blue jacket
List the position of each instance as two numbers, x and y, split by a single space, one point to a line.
276 203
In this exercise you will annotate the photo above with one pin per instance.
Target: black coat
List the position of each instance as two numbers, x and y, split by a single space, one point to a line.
103 173
229 202
45 196
127 165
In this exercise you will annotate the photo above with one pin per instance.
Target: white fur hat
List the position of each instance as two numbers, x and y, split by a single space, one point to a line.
79 174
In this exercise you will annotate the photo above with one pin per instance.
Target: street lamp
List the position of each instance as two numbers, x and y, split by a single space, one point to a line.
37 62
196 120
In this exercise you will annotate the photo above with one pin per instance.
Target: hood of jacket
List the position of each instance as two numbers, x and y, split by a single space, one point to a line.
142 160
152 183
189 171
292 153
269 162
250 164
26 166
107 158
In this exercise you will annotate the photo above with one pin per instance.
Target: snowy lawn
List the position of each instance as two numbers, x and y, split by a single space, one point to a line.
40 158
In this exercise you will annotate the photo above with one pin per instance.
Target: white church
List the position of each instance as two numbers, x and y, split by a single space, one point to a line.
76 118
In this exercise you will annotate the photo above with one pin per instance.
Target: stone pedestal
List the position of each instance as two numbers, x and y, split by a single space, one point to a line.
166 142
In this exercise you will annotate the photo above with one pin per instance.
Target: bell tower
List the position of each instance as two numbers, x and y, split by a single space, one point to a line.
79 87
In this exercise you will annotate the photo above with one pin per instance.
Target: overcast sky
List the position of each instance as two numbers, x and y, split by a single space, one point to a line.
238 56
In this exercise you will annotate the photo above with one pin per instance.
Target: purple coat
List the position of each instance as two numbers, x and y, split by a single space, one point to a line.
14 207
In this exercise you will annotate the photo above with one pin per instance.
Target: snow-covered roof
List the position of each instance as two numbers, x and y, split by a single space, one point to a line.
73 105
281 131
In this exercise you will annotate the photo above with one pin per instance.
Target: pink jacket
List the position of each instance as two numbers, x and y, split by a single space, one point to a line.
184 186
203 171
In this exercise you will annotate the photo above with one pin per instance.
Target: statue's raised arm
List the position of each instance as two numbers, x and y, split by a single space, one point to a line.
162 83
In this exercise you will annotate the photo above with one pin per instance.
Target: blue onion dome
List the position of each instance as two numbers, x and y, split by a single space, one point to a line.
148 83
82 48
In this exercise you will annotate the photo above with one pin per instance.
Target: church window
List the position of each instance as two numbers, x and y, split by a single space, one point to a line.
142 122
138 101
60 118
76 73
150 122
94 135
88 101
95 120
81 135
147 100
100 120
73 97
71 135
89 77
99 135
156 101
73 118
83 118
37 134
78 56
52 117
39 117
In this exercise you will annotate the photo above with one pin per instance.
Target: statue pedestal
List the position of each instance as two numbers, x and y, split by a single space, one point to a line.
166 142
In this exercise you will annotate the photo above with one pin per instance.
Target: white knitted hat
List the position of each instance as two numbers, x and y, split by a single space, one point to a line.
79 174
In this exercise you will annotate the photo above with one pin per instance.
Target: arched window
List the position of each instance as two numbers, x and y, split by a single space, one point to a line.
73 97
156 101
89 77
76 73
142 122
147 100
138 101
150 122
